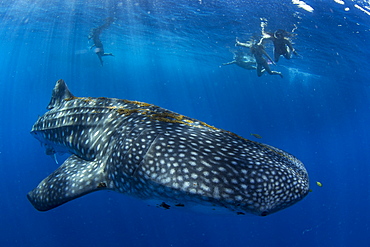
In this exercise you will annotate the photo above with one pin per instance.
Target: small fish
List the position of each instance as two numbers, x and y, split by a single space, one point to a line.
319 183
256 135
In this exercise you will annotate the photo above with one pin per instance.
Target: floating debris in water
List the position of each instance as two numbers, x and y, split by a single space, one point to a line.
256 135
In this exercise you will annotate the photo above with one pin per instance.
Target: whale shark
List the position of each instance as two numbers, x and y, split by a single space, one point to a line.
160 156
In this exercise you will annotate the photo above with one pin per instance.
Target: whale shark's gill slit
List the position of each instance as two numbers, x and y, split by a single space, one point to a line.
145 151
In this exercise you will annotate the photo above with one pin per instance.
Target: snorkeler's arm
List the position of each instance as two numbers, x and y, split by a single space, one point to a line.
265 36
289 44
241 44
268 56
263 39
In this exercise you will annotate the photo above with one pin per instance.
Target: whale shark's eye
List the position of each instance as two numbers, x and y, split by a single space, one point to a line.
264 213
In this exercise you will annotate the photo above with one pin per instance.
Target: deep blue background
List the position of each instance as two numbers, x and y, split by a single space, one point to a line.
169 53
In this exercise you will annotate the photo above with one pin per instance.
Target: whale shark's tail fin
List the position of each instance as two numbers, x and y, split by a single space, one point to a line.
74 178
60 93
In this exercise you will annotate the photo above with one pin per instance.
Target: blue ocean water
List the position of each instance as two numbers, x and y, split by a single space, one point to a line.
169 53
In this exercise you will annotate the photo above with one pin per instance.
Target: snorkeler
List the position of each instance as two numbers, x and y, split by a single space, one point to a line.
282 44
94 35
242 60
262 65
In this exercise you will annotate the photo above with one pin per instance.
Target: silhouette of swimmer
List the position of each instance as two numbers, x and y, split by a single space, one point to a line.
242 60
282 44
258 51
94 35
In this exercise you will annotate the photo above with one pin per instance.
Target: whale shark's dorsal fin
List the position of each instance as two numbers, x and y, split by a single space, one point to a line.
60 93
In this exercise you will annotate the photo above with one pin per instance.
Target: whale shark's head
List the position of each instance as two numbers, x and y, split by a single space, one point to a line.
46 137
43 129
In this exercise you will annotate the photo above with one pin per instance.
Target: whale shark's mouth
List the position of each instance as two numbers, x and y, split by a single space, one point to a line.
49 150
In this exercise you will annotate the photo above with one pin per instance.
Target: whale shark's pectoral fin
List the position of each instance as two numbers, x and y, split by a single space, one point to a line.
74 178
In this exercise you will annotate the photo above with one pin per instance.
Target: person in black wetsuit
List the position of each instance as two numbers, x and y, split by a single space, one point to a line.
94 35
282 44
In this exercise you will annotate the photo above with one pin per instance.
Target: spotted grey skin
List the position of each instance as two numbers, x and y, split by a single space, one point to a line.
149 152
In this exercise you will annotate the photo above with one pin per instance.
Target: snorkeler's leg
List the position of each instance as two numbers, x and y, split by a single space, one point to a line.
260 70
288 53
275 73
267 68
101 60
278 73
